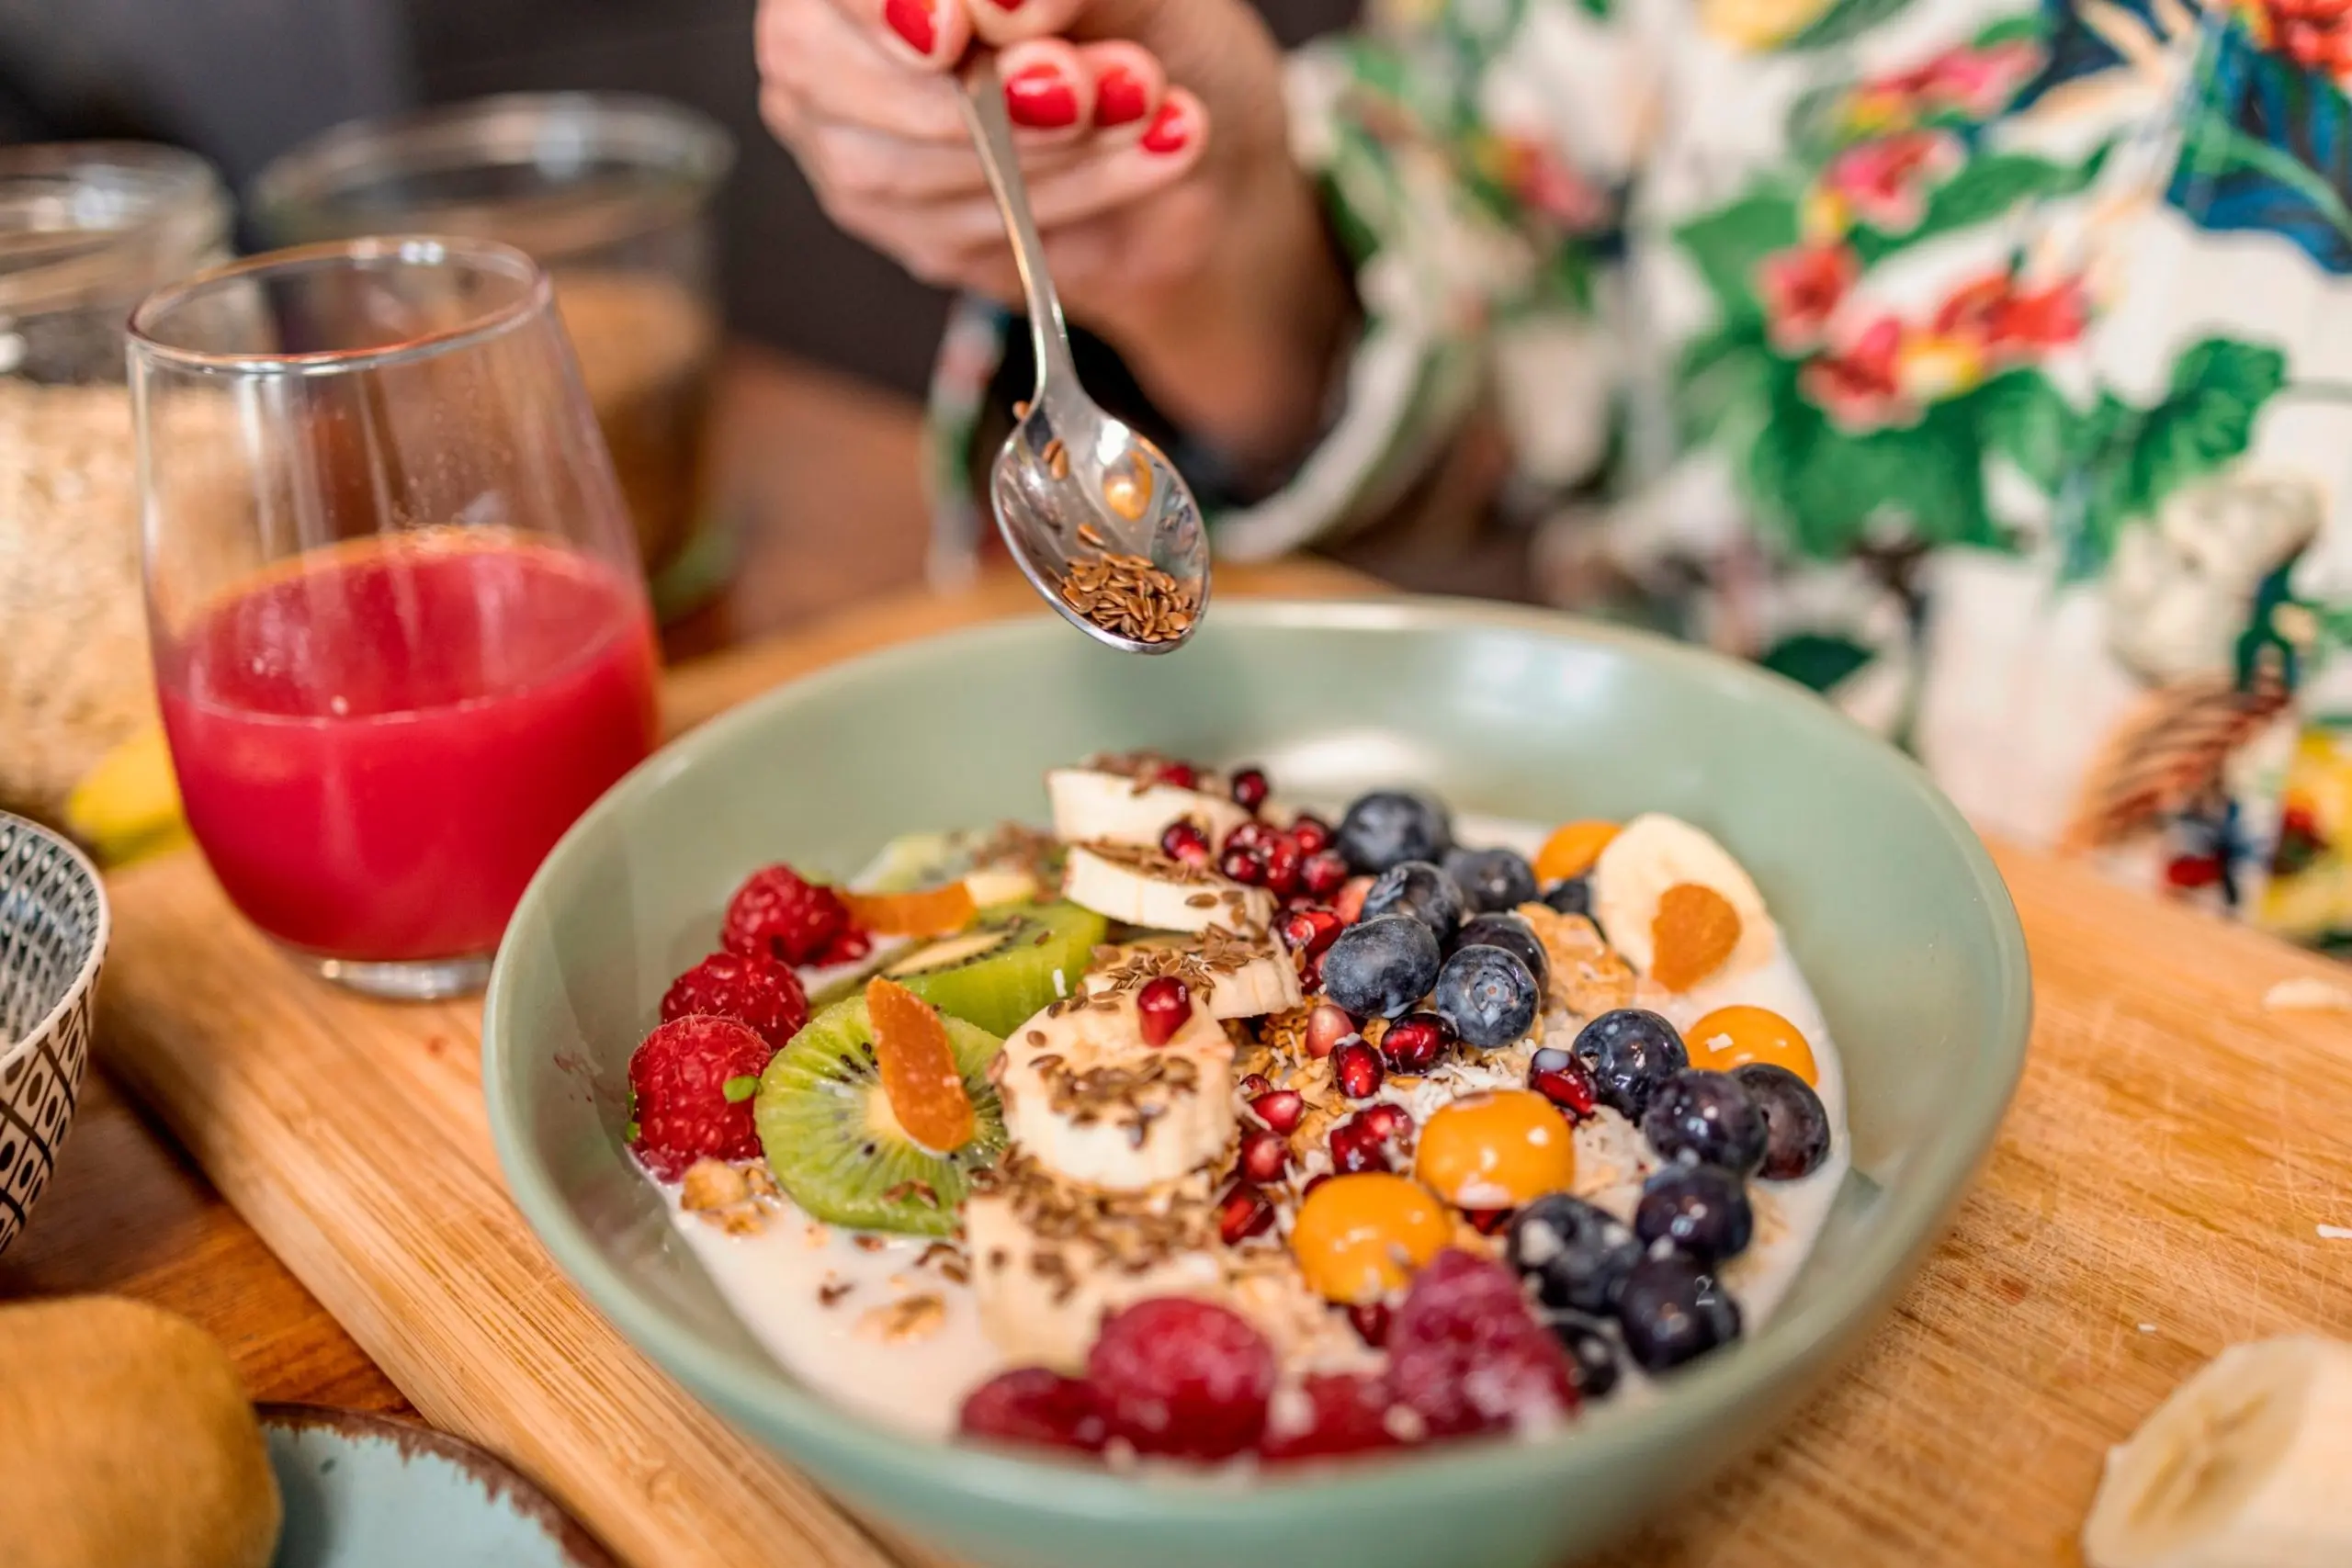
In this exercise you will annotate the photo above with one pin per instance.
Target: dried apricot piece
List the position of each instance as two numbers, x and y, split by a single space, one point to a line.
930 911
1572 848
918 1067
1694 930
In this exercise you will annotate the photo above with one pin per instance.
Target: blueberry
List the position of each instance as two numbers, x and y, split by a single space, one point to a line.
1673 1311
1592 1351
1629 1053
1573 897
1512 935
1391 825
1702 1209
1704 1118
1379 968
1416 888
1576 1256
1485 993
1492 879
1796 1137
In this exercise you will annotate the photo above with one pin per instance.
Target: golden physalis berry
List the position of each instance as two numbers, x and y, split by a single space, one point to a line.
918 1068
933 911
1572 848
1358 1237
1694 930
1495 1150
1735 1036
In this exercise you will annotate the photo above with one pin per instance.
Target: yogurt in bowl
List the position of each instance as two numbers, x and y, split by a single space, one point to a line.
1198 1128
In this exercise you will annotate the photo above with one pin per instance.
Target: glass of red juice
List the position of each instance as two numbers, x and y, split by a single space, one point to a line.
401 636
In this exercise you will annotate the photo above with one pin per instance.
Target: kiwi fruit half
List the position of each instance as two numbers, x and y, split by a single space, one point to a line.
998 971
826 1126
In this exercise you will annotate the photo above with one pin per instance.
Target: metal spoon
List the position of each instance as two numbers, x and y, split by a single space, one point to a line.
1073 488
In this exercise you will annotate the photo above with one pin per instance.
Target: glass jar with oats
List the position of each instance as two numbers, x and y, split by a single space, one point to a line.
611 194
87 228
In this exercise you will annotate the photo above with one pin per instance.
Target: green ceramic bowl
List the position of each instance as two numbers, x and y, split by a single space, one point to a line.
1895 910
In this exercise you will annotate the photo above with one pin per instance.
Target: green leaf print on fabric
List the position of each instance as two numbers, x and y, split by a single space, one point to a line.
2025 420
1845 21
1814 659
1727 245
1828 490
2128 459
1723 376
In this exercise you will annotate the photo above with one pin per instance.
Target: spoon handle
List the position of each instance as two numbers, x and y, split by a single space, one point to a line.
993 139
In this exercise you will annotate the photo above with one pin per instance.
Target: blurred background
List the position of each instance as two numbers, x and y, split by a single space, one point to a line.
213 76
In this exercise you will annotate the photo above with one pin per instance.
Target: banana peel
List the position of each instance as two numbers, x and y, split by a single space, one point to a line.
128 807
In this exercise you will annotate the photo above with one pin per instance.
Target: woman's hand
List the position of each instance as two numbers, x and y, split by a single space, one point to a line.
1153 138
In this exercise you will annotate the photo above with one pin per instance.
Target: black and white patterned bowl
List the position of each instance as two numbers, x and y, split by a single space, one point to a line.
53 929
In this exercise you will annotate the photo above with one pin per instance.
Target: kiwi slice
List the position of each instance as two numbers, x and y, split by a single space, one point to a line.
827 1128
998 972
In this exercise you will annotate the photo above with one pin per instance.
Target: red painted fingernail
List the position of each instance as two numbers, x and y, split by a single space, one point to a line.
1040 97
911 20
1168 132
1119 97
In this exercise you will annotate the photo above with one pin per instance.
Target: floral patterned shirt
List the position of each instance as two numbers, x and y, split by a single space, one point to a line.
1985 366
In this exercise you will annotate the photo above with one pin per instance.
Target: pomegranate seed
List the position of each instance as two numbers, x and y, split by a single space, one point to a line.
1310 974
1250 788
1350 901
1387 1123
1281 859
1312 1183
1414 1041
1242 1214
1250 835
1252 1085
1323 873
1243 866
1185 842
1182 776
1325 1027
1314 834
1370 1320
1162 1006
1356 1067
1486 1222
1559 1078
1264 1156
1309 930
1355 1148
1280 1109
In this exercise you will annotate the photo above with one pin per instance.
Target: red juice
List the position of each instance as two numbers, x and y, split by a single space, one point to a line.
376 750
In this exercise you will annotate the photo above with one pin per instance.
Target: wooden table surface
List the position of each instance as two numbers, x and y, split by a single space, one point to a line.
823 476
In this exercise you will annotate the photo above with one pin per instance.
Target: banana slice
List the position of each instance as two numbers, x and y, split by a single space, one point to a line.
1656 853
991 884
1092 805
1144 887
1086 1099
1230 977
1049 1260
2247 1465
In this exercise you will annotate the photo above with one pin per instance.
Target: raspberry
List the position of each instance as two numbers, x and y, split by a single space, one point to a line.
1034 1404
690 1088
1465 1352
1184 1377
776 914
1344 1414
753 989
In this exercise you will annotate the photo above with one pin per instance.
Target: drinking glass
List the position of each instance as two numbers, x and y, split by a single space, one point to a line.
400 633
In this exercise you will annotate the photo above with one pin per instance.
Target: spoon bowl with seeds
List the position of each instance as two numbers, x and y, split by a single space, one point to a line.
1098 519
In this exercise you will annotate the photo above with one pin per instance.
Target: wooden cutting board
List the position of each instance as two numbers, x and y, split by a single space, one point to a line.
2164 1186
